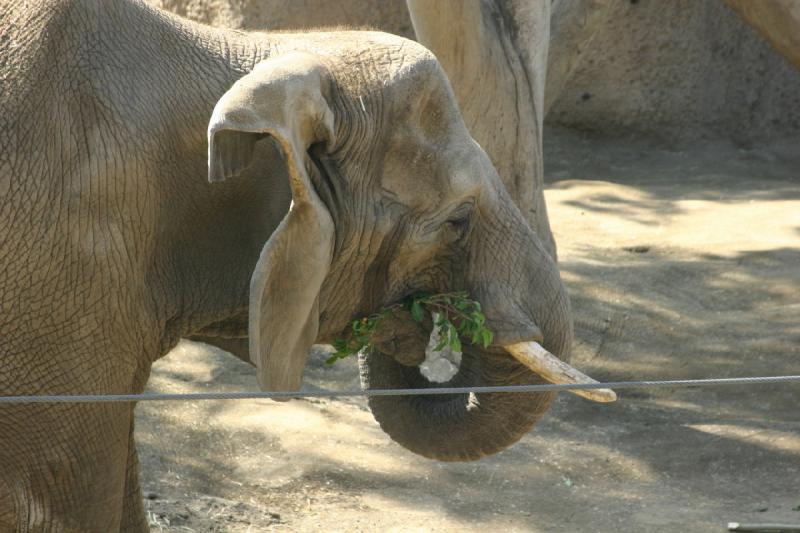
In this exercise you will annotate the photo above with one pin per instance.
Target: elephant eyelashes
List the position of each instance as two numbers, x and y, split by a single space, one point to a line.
459 222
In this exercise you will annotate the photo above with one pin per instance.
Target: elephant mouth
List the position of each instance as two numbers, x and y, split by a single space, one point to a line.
413 345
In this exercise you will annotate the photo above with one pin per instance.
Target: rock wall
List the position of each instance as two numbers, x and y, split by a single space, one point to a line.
387 15
680 69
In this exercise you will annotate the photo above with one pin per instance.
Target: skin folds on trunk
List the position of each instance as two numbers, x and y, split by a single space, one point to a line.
462 427
523 299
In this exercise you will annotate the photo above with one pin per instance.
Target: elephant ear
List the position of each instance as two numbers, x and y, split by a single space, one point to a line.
282 98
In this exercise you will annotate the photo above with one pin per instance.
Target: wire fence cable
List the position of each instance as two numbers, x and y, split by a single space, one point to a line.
255 395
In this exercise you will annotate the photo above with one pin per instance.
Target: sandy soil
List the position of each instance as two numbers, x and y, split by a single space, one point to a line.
681 263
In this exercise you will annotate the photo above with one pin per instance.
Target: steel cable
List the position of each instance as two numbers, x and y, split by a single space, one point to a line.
200 396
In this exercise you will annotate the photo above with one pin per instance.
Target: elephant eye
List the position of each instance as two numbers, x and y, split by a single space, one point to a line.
459 221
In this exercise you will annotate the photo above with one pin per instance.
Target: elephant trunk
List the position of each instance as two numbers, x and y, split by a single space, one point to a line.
526 306
461 427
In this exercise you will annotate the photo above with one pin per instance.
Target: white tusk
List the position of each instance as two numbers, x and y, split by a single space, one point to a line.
554 370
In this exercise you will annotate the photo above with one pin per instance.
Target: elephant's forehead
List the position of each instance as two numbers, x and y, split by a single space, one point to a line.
422 172
403 57
378 58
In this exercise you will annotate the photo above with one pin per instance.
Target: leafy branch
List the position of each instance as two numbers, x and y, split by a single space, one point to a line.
456 315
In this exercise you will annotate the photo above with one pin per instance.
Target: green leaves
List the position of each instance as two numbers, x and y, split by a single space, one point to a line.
456 316
417 312
359 337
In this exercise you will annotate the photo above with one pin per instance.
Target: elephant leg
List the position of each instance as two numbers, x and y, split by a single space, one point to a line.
66 468
8 512
66 465
134 518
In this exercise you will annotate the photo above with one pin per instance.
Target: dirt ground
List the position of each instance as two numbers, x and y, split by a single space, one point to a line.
681 262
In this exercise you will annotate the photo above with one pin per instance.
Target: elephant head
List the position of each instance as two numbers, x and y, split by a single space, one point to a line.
391 196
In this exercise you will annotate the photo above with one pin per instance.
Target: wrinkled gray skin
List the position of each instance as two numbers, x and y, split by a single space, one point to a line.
495 53
113 244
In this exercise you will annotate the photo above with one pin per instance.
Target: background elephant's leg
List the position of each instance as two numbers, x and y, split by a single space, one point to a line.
778 21
495 54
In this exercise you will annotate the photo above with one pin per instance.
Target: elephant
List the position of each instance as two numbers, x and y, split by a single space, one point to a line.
777 21
163 179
